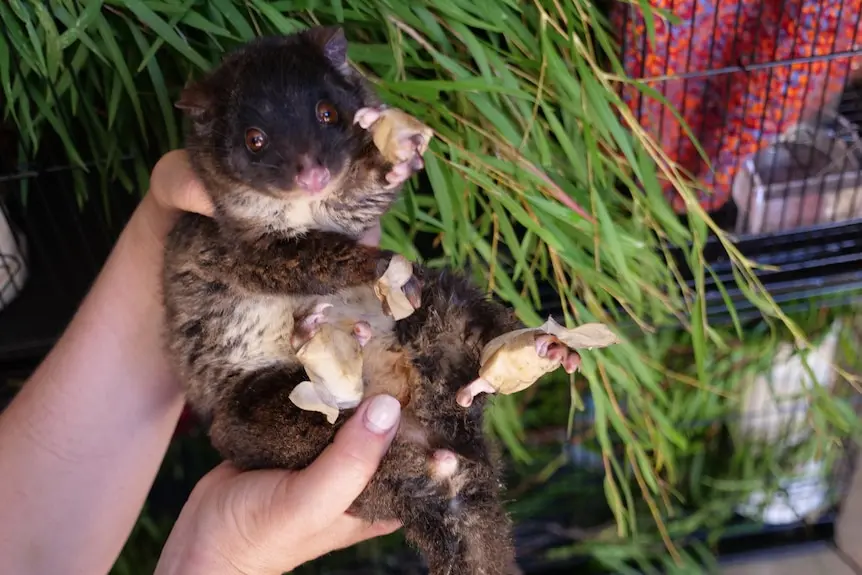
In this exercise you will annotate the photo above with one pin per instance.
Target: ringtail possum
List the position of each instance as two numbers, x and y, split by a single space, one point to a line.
281 135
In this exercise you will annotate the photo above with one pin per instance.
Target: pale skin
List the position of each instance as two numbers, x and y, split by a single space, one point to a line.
81 443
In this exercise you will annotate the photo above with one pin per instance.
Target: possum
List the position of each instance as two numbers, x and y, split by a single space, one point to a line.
281 134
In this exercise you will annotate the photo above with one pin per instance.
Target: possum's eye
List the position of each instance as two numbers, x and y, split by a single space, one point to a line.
255 140
326 113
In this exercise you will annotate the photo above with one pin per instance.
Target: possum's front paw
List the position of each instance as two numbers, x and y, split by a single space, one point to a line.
401 138
397 288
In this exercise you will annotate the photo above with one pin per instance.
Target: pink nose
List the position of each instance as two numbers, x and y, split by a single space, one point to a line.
313 179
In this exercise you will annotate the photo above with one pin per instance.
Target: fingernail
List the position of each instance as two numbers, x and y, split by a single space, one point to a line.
382 414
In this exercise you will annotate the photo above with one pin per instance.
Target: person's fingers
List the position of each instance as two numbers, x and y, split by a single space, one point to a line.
376 529
175 185
348 530
344 532
326 488
221 472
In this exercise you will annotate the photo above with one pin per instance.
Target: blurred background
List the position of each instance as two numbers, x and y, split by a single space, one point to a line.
684 170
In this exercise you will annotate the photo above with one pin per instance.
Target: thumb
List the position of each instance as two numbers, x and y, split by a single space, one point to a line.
175 184
337 477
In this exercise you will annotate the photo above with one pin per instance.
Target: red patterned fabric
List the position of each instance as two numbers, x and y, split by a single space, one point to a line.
734 114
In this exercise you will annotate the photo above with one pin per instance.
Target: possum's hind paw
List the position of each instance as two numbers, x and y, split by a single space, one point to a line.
401 138
516 360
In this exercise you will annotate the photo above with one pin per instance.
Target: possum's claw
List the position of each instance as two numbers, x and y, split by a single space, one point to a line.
468 392
307 326
401 139
413 292
365 117
548 346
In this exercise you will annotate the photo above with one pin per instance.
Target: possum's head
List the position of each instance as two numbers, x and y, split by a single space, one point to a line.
272 132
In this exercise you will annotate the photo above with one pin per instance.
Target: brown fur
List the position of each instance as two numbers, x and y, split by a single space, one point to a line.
236 285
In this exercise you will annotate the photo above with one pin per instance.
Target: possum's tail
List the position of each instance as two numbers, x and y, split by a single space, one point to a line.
468 541
464 530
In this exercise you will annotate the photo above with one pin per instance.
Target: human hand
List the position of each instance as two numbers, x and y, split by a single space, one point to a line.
175 188
271 521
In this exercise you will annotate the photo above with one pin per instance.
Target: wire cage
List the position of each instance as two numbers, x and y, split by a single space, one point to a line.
773 92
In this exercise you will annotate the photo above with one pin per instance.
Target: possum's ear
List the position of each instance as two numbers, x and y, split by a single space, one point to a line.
195 100
332 43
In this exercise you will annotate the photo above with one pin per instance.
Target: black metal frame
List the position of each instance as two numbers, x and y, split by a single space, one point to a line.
821 261
67 244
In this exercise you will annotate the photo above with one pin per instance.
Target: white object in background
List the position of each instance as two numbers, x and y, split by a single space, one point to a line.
13 261
807 176
774 411
775 404
802 495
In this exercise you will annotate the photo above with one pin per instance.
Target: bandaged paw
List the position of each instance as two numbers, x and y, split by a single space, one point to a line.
398 289
332 358
516 360
401 139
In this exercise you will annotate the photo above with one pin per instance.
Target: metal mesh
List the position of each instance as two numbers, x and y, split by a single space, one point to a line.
743 77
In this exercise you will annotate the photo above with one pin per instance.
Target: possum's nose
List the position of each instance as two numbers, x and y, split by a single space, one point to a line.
311 176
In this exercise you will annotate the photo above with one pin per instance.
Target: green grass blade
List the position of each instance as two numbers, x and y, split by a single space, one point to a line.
165 32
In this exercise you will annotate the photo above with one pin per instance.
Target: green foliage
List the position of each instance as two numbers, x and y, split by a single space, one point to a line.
719 461
538 174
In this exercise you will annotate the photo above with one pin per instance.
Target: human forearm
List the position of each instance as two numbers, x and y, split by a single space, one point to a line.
80 445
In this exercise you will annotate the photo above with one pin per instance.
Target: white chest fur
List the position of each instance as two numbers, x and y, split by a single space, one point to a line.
259 333
295 213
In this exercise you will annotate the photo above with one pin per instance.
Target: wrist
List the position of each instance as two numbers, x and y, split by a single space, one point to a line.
200 560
